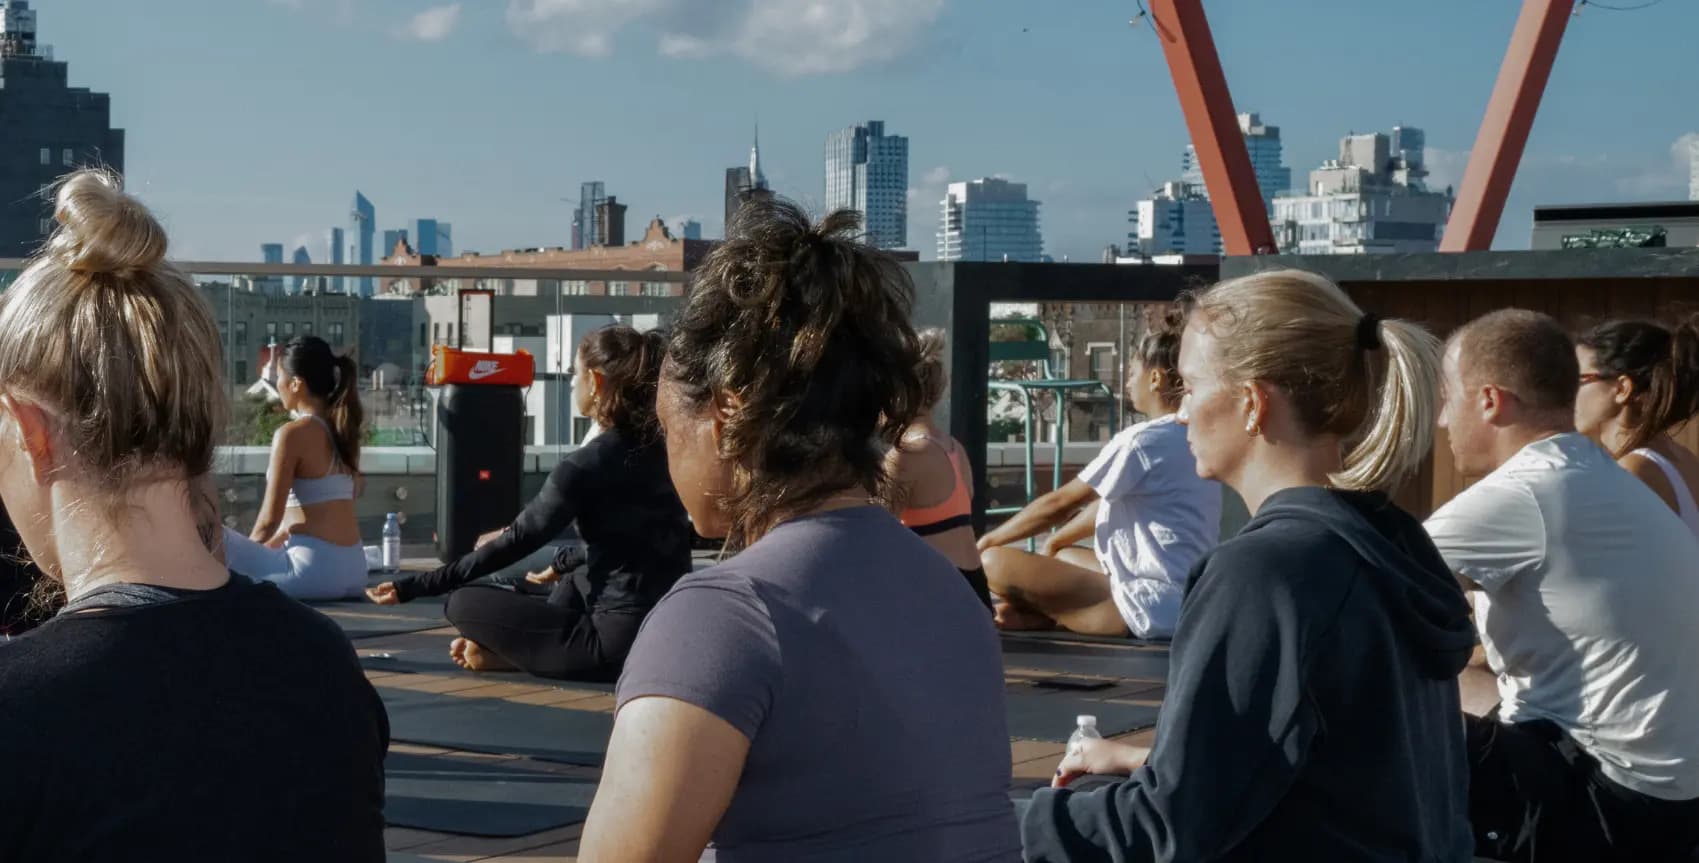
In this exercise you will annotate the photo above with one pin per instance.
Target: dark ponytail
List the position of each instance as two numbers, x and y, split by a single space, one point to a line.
1663 365
1159 351
630 364
336 380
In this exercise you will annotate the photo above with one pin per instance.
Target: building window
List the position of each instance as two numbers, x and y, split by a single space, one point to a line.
44 227
580 429
424 335
241 334
67 158
286 330
575 288
241 370
270 332
337 332
1102 359
619 289
307 328
46 155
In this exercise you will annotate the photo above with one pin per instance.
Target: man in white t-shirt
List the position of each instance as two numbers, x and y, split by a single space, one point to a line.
1585 588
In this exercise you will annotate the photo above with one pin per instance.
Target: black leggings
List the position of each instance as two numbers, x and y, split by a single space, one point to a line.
556 637
976 580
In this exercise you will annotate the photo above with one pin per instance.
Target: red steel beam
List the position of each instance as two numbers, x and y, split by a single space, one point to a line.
1504 131
1240 211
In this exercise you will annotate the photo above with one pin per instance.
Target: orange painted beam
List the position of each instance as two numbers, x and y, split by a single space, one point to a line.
1240 211
1504 131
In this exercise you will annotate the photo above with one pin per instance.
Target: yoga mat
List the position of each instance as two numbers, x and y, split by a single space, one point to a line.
417 653
446 795
1053 657
1052 717
557 734
362 619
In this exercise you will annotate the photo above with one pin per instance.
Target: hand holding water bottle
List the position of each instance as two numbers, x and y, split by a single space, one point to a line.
1089 754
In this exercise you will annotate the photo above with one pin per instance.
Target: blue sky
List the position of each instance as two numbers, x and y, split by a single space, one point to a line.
255 120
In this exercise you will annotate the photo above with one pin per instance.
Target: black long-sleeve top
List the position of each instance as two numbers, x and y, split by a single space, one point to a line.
635 531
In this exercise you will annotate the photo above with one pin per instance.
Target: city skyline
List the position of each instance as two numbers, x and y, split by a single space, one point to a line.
499 167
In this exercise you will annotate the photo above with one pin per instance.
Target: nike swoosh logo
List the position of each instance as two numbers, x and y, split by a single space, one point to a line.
480 374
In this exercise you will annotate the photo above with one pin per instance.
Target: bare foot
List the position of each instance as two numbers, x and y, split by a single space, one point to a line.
472 656
1014 619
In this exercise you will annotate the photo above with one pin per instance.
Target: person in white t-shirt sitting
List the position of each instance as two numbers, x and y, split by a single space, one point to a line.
1585 586
1142 500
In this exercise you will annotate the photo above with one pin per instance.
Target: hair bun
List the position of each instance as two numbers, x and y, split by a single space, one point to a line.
102 229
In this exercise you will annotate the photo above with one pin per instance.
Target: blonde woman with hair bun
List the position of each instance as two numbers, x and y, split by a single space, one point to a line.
171 710
1312 705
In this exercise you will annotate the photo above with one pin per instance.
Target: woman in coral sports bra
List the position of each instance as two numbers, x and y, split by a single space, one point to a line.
932 480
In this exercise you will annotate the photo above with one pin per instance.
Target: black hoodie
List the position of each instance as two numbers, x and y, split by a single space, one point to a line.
1312 709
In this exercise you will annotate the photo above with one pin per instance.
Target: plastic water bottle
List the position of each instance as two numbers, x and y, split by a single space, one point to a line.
1085 728
392 543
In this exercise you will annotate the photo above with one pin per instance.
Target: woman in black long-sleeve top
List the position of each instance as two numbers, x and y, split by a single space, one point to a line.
636 534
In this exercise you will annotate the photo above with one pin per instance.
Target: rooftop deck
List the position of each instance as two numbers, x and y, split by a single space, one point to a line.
1049 680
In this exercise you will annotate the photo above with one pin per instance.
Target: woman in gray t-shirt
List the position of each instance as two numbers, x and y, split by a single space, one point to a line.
835 692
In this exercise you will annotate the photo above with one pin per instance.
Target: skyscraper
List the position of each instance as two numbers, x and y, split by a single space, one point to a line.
585 227
690 229
1693 168
989 220
1176 219
867 171
50 128
300 258
364 222
744 183
1267 160
271 286
431 237
338 242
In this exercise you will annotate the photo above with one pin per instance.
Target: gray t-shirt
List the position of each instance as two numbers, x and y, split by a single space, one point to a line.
869 681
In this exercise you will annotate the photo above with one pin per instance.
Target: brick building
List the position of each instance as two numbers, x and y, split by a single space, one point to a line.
657 251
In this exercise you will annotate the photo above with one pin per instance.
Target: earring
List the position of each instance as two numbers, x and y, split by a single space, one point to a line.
1252 428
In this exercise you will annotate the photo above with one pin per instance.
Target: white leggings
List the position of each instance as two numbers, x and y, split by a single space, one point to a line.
305 567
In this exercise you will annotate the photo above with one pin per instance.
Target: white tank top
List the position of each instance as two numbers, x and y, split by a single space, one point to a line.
1685 506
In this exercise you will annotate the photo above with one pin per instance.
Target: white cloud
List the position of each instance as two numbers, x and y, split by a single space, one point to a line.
1668 181
790 37
937 176
432 25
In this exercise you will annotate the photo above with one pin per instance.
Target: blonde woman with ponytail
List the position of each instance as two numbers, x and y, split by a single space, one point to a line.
306 539
1312 706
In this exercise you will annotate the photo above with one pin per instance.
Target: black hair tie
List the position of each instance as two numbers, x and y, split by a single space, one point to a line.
1368 332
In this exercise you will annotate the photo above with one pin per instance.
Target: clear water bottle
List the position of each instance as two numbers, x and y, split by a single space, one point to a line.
1085 728
392 543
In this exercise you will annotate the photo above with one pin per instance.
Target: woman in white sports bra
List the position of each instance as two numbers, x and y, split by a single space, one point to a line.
306 539
1640 381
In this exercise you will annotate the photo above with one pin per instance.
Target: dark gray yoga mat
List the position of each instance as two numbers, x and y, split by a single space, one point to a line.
480 798
557 734
1052 717
363 619
416 653
1129 661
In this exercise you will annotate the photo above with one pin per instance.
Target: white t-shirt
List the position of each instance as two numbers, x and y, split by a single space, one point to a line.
1156 520
1589 591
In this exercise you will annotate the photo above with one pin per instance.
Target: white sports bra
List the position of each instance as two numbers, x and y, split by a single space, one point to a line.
1685 506
338 484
